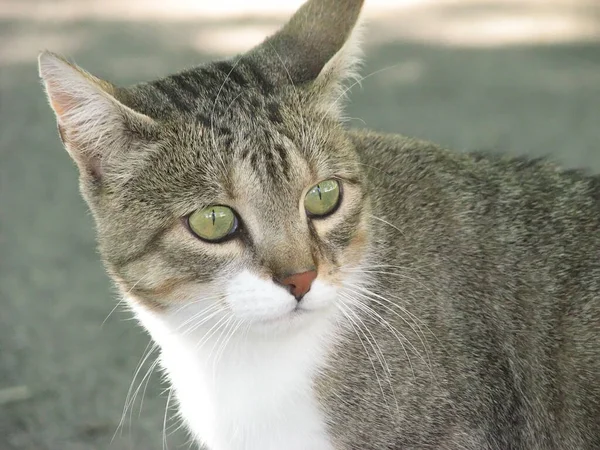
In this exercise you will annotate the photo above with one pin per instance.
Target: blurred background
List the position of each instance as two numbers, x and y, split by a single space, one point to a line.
510 76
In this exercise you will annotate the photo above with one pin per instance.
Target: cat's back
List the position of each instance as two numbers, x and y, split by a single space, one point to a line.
509 250
484 192
527 219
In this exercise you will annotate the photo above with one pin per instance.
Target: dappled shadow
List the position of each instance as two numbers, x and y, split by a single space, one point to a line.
234 25
512 95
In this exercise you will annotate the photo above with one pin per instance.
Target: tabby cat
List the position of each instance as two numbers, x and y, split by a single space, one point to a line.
314 287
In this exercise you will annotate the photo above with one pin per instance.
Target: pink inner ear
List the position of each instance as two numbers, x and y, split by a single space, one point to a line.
59 105
91 120
88 162
61 102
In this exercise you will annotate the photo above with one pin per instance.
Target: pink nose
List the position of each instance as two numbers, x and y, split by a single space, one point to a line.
299 283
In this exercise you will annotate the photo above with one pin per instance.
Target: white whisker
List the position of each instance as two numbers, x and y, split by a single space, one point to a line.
150 348
123 298
415 319
232 330
387 223
420 335
152 367
199 314
165 446
210 333
356 329
380 356
201 322
143 381
399 336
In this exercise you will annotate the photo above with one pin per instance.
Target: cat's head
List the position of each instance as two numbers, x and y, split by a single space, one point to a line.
231 186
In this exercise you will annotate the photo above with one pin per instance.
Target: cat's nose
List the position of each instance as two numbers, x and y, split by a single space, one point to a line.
299 283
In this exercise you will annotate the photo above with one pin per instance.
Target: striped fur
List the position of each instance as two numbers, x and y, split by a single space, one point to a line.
456 303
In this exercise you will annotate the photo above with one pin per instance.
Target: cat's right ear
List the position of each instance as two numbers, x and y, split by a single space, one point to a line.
317 47
93 125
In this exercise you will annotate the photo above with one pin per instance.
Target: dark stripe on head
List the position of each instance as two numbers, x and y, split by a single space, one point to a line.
341 236
174 95
256 103
254 162
187 83
157 294
219 130
231 73
228 142
274 113
149 246
203 120
223 130
283 158
319 245
262 81
272 168
200 269
210 76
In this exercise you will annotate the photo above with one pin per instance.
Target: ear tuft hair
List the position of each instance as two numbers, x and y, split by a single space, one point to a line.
317 36
339 75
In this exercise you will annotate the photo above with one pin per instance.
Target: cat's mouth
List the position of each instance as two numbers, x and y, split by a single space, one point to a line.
290 317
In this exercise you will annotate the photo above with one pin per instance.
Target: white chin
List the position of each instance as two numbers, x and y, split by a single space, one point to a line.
269 307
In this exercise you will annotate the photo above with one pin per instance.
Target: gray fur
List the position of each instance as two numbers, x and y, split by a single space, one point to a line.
495 265
484 294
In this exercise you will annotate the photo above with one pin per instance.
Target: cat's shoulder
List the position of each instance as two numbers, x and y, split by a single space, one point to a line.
395 151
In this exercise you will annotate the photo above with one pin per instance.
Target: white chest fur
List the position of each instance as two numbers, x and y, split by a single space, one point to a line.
258 395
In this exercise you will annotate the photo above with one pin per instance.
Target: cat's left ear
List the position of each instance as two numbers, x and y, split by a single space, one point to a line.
317 48
95 127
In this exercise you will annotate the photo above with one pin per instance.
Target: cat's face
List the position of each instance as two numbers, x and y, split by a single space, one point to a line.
228 191
165 246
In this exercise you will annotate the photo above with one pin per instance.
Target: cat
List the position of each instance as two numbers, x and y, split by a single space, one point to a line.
316 287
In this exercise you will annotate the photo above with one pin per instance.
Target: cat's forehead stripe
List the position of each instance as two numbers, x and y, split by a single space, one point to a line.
187 82
231 72
174 94
216 85
266 85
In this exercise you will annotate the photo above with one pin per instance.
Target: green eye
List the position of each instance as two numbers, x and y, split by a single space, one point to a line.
322 198
213 223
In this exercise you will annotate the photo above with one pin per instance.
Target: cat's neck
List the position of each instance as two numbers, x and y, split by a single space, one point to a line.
229 392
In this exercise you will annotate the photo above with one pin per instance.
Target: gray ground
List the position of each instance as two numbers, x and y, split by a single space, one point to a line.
54 295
